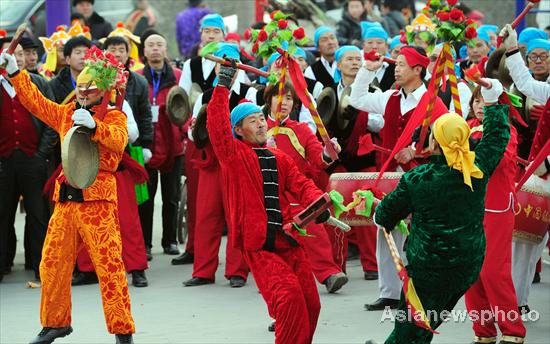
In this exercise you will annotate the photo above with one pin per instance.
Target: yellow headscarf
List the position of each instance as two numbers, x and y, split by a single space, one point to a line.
452 132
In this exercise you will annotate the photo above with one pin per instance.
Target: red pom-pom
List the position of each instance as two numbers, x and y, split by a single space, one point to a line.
120 24
282 24
262 36
299 33
86 29
452 2
443 16
60 28
3 33
457 15
470 33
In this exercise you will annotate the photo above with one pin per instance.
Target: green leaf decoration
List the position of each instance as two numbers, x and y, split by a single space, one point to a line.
337 203
303 41
285 35
254 35
402 227
515 100
292 50
272 78
210 48
301 231
280 15
368 196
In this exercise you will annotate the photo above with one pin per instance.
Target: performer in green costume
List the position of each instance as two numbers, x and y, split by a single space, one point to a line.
446 198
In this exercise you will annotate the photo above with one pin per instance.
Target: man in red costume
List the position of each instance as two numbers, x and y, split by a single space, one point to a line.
397 107
256 180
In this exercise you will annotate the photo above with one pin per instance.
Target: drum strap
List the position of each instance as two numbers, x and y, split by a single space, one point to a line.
268 166
293 139
68 98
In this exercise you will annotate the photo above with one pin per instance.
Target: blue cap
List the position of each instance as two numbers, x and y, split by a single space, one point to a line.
537 43
242 111
375 32
531 33
395 41
366 25
300 52
228 49
342 50
319 32
484 36
212 20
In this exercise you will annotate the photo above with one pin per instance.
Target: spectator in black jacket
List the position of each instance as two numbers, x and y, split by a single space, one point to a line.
348 30
393 16
99 27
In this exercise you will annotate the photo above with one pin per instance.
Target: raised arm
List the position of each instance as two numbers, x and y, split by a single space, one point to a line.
35 102
524 81
219 125
360 97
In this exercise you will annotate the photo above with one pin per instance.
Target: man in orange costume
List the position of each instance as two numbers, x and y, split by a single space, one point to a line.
81 216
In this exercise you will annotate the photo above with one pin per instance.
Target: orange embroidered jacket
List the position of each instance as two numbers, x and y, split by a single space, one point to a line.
111 135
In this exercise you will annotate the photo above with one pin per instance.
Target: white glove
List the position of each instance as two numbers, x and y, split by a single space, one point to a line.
510 37
335 145
10 63
491 95
84 118
147 155
375 123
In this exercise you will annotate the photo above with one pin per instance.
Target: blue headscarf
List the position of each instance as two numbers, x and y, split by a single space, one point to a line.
366 25
395 41
227 50
242 111
299 52
531 33
375 32
212 20
338 56
484 36
538 43
319 32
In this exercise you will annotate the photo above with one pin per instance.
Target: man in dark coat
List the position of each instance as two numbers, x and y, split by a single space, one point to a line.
99 27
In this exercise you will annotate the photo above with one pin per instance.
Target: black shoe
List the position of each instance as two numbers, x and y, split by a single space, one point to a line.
184 258
512 340
124 339
83 278
271 327
381 304
536 278
196 281
524 309
236 282
148 254
370 342
49 334
172 250
484 340
138 279
334 282
371 275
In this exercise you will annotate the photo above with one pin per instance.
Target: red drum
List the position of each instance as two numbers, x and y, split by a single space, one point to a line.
533 212
347 183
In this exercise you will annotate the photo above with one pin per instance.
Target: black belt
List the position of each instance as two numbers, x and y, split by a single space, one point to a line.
69 194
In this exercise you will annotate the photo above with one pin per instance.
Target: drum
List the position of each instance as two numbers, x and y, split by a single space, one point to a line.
80 158
533 213
347 183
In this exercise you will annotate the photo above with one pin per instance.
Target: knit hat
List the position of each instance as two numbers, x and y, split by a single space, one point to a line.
212 20
242 111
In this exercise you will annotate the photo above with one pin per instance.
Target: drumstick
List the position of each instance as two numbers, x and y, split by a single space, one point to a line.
242 66
374 56
16 38
518 19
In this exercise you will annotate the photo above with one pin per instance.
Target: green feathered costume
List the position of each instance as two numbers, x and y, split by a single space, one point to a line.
446 244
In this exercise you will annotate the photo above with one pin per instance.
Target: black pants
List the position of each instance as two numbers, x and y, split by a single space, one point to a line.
25 176
169 188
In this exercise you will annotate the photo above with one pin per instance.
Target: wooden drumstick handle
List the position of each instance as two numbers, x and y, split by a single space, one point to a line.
399 265
242 66
523 13
16 38
337 223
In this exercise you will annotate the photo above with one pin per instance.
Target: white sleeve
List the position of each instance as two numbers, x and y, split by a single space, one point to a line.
362 100
133 131
196 109
308 73
376 122
251 95
317 89
185 79
524 81
465 95
306 117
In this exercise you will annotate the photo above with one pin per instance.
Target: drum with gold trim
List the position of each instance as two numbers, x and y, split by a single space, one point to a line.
347 183
533 212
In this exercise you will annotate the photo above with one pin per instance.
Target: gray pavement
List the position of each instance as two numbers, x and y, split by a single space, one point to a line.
166 312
